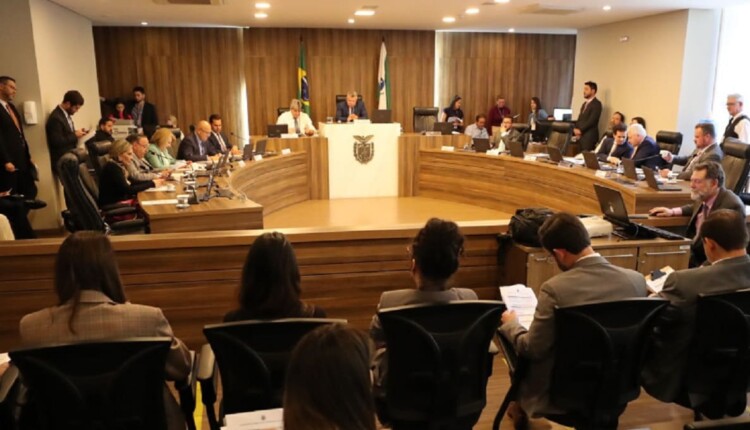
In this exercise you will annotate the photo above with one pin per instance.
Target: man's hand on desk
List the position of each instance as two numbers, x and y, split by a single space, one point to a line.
351 117
158 182
661 211
509 316
665 173
613 160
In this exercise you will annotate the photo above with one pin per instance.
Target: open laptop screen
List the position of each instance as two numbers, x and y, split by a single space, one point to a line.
612 205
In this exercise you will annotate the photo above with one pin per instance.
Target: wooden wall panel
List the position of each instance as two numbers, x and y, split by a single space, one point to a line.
337 61
479 66
187 72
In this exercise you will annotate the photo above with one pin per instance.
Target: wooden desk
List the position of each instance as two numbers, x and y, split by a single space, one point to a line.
507 183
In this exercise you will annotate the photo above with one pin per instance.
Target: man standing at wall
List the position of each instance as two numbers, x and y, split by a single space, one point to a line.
587 125
739 123
62 135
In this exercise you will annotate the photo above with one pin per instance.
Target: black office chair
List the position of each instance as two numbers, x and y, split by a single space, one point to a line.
597 371
719 360
423 118
83 213
98 155
736 164
438 363
560 135
281 110
669 141
97 385
252 357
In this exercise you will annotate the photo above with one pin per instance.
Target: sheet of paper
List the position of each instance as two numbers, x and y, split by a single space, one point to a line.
269 419
159 202
656 285
163 188
4 357
522 300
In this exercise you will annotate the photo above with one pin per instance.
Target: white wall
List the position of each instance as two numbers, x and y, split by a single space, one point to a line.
733 63
664 72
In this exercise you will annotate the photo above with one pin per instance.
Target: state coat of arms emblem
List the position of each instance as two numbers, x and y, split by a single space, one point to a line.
364 148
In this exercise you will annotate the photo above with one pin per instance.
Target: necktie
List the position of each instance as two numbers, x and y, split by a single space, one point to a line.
221 142
70 123
296 126
702 214
201 148
692 158
583 106
13 117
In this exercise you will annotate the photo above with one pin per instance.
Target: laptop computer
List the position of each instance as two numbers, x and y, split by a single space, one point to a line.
554 154
124 122
444 128
613 208
650 175
516 149
629 170
276 130
260 147
481 144
381 116
247 151
591 161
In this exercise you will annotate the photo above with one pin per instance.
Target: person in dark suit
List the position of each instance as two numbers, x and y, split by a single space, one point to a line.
587 277
195 146
218 141
143 112
351 109
725 237
708 194
17 171
614 148
103 132
116 185
587 125
645 150
62 136
706 149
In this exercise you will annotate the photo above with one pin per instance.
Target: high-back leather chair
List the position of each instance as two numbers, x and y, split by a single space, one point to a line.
736 164
438 363
669 141
560 135
96 385
424 118
98 155
252 357
597 372
281 110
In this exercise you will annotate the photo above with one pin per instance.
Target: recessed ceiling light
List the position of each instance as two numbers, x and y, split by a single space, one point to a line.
262 5
472 11
511 30
350 21
261 15
449 19
502 1
364 12
144 23
607 8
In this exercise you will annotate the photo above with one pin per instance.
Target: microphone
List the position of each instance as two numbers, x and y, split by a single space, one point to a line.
516 116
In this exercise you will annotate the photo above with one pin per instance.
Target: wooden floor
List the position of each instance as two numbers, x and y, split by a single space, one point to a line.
381 211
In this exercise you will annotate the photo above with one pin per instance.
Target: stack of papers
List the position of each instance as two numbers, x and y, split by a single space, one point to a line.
269 419
520 299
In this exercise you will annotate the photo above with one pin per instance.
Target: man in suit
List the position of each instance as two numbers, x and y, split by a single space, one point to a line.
351 109
139 169
725 237
143 112
614 148
218 141
706 149
587 277
62 135
501 140
645 149
587 125
739 123
195 146
103 132
708 194
17 171
617 118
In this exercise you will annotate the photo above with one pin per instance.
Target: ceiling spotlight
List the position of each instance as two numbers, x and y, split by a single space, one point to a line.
364 12
472 11
449 19
511 30
261 15
262 5
607 8
350 21
502 1
144 23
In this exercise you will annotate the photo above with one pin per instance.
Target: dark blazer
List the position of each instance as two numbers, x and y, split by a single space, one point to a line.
213 144
725 200
588 123
14 149
60 138
667 362
647 154
190 149
148 116
114 186
342 110
712 153
624 150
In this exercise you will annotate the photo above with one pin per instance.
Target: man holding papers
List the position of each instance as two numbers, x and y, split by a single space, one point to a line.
587 277
725 238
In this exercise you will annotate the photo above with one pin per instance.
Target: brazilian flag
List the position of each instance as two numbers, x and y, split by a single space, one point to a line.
303 89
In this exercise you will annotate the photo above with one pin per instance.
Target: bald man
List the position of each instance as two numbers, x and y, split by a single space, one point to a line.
195 146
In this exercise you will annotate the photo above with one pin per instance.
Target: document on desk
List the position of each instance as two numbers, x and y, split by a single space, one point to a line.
159 202
269 419
655 280
520 299
162 189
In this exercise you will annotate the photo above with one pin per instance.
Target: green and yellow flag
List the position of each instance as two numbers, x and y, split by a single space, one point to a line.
303 89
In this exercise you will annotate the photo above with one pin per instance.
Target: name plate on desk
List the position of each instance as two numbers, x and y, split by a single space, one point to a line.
447 148
602 174
241 163
495 152
257 157
289 136
433 133
286 151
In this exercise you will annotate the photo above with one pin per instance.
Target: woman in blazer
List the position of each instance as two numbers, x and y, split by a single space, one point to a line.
115 185
158 154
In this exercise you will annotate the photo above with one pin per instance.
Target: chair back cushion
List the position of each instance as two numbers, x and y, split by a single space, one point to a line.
81 204
424 118
98 155
669 141
560 134
736 164
97 385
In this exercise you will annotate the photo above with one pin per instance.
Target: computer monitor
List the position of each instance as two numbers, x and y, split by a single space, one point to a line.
612 205
628 169
381 116
562 114
443 127
260 147
516 148
481 144
276 130
554 154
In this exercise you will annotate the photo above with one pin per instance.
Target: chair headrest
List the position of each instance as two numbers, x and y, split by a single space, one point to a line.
562 127
672 137
736 148
426 111
99 148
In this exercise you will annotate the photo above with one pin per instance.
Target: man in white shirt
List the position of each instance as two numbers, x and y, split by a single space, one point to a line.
298 122
477 130
739 123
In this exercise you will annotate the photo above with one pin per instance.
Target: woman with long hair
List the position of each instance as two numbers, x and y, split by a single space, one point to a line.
115 184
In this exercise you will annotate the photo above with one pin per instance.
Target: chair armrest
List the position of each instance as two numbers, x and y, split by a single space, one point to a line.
124 210
7 382
509 351
112 206
206 375
128 226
